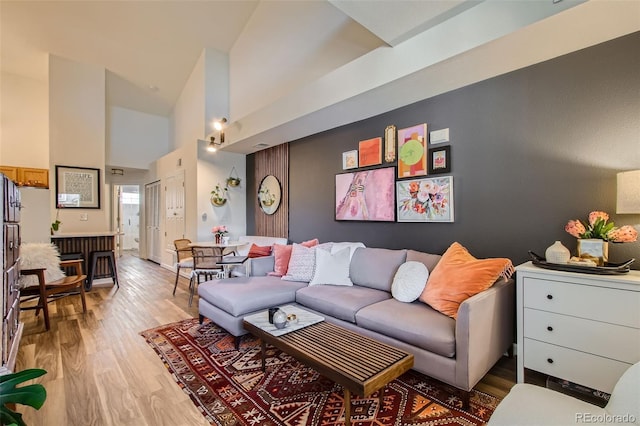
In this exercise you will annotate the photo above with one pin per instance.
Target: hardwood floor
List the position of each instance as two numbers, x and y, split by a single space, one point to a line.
102 372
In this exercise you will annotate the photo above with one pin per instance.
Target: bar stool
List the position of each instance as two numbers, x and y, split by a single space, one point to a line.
111 261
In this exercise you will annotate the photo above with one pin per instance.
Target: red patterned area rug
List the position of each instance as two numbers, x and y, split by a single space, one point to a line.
229 387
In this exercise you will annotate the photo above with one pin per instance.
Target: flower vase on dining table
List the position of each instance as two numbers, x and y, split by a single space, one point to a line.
218 238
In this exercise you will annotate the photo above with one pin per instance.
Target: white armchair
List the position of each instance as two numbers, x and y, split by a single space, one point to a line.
529 405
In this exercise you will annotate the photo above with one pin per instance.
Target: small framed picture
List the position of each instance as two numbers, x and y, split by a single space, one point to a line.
390 144
350 159
370 152
440 160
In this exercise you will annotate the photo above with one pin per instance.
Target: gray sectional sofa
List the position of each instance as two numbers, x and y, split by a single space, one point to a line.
458 352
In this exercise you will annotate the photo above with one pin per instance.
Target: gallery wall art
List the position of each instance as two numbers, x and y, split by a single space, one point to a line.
366 195
412 151
425 200
370 152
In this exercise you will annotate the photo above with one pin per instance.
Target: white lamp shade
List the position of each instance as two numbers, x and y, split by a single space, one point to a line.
628 192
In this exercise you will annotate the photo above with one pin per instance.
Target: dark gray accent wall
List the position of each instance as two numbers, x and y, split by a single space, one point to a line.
530 150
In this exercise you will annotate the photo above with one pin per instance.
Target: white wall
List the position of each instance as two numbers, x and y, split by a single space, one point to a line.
216 74
188 116
77 128
213 169
24 142
204 97
35 215
135 139
24 122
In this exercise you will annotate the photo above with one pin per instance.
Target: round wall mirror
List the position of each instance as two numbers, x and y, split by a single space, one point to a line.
269 194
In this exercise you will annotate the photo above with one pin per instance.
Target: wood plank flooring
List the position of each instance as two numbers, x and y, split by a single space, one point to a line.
102 372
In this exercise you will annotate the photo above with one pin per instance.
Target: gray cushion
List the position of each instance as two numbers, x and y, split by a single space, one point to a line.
414 323
241 295
339 301
375 267
429 260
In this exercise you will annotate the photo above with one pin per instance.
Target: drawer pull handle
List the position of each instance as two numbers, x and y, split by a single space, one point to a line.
550 328
549 296
549 360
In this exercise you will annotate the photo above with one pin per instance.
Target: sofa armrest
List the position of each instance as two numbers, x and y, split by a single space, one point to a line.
260 266
484 331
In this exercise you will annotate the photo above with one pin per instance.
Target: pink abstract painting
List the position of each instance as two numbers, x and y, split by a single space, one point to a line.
367 195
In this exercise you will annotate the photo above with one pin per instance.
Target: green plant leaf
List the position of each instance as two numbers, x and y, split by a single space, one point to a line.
31 395
10 418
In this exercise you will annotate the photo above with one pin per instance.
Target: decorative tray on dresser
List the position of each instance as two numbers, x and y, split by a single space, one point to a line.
607 269
579 327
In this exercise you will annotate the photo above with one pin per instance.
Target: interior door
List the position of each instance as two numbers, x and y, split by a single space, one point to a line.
174 209
152 220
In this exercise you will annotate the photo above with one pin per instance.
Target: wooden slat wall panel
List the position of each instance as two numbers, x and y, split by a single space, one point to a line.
273 161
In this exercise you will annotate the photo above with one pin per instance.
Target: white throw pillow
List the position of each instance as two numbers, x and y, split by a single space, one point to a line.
39 255
409 281
352 247
332 268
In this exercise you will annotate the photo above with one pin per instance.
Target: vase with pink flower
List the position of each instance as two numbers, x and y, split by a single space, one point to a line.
219 232
593 236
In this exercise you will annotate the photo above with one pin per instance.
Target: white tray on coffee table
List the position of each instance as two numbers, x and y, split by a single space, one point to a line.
305 319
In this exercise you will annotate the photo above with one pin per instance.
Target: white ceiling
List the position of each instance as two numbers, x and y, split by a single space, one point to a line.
301 66
149 48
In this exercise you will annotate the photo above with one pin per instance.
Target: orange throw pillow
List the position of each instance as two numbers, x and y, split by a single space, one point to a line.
259 251
282 255
458 276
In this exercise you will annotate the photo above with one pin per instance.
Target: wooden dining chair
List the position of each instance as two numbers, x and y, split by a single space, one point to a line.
183 257
206 263
48 292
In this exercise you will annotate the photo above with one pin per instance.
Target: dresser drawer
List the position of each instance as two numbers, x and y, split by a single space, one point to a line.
10 288
578 367
597 338
614 306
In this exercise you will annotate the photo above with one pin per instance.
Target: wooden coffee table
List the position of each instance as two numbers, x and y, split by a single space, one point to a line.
360 364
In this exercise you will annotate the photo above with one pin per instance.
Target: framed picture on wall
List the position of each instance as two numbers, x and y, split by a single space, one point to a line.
440 160
366 195
77 187
390 144
425 200
412 151
370 152
350 160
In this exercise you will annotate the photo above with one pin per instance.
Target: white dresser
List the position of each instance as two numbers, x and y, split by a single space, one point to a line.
579 327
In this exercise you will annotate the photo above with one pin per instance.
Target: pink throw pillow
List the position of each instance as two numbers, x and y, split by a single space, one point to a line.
282 255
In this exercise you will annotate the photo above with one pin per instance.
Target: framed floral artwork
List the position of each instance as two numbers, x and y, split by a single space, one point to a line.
425 200
440 160
370 152
412 151
350 159
366 195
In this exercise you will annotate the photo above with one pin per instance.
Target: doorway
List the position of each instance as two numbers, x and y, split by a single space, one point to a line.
127 218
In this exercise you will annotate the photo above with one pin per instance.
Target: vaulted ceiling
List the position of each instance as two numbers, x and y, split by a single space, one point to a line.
290 50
